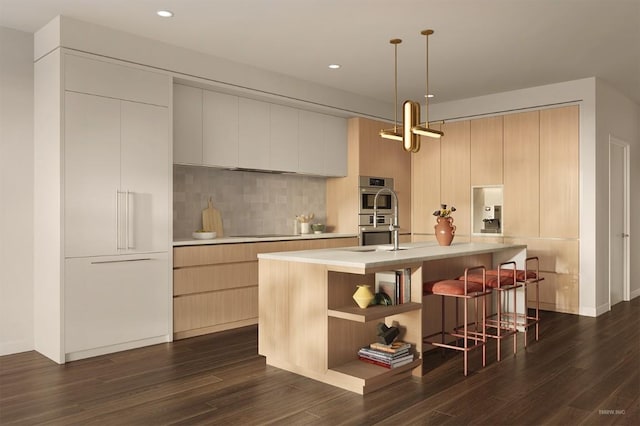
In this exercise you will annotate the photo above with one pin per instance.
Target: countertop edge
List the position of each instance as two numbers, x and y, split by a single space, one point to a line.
178 242
419 252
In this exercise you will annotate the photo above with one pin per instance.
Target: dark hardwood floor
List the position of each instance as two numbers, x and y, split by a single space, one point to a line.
582 371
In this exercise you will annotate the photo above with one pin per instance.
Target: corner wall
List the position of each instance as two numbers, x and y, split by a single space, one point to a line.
16 191
619 117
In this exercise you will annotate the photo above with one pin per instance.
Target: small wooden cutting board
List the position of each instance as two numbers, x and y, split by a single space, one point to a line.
211 220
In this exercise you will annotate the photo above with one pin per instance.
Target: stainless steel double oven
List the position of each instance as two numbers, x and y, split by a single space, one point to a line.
368 188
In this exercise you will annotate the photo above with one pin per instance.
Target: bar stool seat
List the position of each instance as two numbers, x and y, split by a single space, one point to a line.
530 276
501 324
467 291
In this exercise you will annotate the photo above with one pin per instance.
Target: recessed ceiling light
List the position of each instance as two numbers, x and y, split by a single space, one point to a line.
334 66
165 13
430 95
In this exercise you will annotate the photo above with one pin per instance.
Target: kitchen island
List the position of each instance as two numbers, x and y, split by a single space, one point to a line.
310 325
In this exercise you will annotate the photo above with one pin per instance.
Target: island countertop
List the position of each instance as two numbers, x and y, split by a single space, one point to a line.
366 258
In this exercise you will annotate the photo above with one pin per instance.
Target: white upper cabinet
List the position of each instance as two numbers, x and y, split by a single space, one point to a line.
283 152
323 144
112 80
187 124
220 130
311 157
335 142
254 133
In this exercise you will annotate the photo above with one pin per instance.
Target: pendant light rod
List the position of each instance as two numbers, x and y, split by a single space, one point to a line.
419 129
394 134
396 42
426 33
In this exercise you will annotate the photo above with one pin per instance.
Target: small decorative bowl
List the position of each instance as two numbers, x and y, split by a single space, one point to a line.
318 228
202 235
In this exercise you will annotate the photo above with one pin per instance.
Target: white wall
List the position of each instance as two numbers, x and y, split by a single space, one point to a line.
619 117
16 191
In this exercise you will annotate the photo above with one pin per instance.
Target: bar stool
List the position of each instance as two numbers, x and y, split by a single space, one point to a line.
502 324
529 276
466 290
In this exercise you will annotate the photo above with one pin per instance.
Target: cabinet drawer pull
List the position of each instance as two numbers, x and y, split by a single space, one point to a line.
121 261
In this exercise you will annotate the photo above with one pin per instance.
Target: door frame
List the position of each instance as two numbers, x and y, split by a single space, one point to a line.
626 289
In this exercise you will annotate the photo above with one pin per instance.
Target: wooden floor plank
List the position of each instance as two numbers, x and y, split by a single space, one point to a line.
582 371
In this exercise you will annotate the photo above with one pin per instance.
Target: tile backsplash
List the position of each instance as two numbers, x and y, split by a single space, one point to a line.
249 202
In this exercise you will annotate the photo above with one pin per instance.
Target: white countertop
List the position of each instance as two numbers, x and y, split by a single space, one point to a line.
367 257
235 240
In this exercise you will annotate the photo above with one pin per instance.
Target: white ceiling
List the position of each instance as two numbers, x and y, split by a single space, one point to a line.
479 47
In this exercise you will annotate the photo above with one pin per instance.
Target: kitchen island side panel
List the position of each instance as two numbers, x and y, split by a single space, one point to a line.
292 319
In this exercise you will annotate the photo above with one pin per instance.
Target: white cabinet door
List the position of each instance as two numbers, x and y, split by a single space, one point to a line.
283 151
187 125
108 301
253 137
311 143
113 80
335 139
91 174
145 173
323 144
219 129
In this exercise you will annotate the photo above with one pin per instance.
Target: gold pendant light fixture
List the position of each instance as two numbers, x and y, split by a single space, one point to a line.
411 125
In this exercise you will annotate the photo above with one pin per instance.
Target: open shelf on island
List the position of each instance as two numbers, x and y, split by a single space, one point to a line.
372 313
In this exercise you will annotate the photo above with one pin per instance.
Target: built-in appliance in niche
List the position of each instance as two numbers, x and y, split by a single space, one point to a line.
486 213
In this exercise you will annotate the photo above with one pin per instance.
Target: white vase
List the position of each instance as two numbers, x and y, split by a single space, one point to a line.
305 228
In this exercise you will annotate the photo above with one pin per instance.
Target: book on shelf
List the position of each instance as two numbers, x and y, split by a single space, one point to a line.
402 354
388 364
392 348
395 284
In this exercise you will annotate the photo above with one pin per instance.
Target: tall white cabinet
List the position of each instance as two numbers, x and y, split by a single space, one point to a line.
103 148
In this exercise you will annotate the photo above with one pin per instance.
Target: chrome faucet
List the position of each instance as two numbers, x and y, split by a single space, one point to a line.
394 227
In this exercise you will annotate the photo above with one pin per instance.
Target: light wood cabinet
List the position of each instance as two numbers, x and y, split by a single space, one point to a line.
521 210
187 124
215 287
309 323
486 151
455 174
369 155
559 172
425 185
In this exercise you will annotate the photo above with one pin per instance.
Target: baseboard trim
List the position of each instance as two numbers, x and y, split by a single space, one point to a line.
15 347
74 356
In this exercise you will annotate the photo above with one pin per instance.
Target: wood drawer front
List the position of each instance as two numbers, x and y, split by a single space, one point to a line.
244 252
201 279
219 307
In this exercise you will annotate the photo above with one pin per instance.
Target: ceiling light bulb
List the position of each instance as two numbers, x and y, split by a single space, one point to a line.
165 13
430 95
334 66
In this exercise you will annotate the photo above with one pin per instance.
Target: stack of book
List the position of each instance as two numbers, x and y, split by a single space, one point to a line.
389 356
395 284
